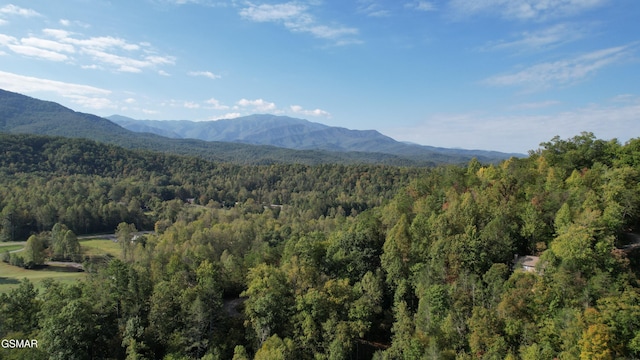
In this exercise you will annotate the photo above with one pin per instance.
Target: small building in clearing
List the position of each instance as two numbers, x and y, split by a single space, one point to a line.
526 263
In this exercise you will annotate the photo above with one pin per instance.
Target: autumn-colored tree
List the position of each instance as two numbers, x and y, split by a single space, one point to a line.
596 343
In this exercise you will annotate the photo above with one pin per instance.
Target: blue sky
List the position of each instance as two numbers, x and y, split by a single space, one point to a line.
478 74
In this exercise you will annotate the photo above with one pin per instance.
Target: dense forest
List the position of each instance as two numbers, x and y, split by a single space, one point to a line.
326 261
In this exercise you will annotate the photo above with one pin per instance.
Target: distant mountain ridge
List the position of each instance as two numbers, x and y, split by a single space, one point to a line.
21 114
263 129
293 133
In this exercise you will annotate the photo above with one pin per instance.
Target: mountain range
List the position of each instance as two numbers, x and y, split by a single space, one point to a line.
255 139
292 133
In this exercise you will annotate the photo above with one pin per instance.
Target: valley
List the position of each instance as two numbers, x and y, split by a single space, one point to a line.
324 260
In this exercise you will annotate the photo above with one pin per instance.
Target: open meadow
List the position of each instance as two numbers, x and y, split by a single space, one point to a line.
10 276
100 247
10 247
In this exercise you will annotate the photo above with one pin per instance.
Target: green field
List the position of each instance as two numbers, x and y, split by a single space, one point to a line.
10 248
10 276
93 247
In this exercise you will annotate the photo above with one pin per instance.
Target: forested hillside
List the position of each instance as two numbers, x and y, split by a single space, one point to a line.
91 187
329 261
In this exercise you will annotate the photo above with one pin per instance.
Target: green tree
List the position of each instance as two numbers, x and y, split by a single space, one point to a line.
201 307
64 243
20 309
72 246
368 303
164 314
486 338
133 340
9 223
354 252
275 348
396 258
34 251
269 303
240 353
71 328
403 330
563 219
124 234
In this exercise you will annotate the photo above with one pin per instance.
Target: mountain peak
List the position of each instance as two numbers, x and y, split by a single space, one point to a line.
267 129
298 134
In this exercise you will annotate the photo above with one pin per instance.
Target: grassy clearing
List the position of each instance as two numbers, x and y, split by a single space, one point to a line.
4 248
10 276
11 245
93 247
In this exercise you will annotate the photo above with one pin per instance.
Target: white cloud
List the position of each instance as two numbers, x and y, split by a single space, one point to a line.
207 74
372 8
69 23
103 52
36 47
541 39
525 9
96 42
226 116
329 32
278 12
48 44
84 95
216 105
97 103
297 109
191 105
27 84
421 5
6 40
32 51
126 63
562 72
296 18
16 10
258 105
122 63
109 52
57 33
130 101
246 106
